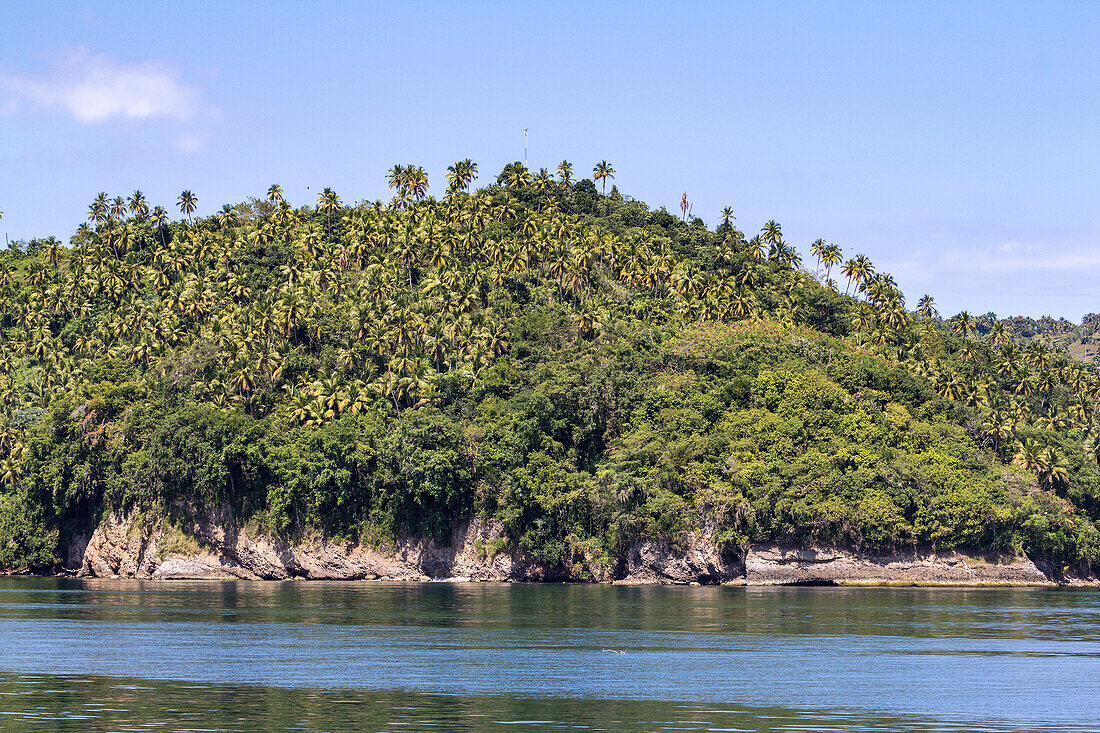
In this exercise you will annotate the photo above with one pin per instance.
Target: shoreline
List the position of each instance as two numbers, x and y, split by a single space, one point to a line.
214 547
733 583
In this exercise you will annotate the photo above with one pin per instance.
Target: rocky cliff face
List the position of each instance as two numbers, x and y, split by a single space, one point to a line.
770 564
137 546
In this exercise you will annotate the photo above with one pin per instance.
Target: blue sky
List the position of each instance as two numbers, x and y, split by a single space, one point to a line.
956 144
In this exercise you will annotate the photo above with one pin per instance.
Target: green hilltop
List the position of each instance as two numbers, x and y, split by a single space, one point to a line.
541 351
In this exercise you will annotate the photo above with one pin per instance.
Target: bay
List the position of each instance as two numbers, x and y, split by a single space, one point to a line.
244 656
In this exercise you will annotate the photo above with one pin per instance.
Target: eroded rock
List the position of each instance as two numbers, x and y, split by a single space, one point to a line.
214 546
774 564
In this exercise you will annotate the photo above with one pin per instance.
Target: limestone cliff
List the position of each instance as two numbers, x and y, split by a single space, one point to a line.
140 546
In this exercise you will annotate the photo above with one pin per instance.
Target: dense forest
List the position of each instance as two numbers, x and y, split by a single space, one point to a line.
541 351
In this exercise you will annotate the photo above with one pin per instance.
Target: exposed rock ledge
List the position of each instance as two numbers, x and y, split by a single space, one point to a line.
139 547
773 564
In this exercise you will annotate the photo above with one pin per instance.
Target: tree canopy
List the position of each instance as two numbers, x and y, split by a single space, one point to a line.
584 369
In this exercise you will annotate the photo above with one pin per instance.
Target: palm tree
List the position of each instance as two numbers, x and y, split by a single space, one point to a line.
53 251
1038 355
831 256
397 179
461 175
858 270
601 172
743 305
727 217
543 182
771 234
137 205
518 176
275 193
417 182
9 472
1092 447
1054 471
226 217
953 387
818 249
963 324
998 336
1029 455
99 209
997 427
328 203
565 173
187 202
785 254
926 307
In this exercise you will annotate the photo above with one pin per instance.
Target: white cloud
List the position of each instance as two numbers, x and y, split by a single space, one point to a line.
1031 272
1018 256
95 87
189 142
1072 252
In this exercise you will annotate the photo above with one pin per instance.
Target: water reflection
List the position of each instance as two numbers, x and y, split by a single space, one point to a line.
1034 613
97 704
495 654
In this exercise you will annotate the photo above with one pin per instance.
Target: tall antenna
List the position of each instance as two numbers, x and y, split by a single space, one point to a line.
525 147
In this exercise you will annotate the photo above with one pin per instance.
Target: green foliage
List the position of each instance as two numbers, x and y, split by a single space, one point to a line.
424 475
586 371
25 541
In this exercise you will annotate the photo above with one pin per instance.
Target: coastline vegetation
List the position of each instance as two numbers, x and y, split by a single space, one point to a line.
540 351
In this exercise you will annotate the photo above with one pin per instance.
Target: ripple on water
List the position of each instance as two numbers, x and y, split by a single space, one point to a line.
74 704
116 655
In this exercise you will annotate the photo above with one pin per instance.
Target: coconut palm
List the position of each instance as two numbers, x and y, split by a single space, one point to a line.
328 203
997 426
858 270
99 209
727 217
831 256
1092 446
565 173
1029 455
963 324
1054 471
137 205
461 175
518 176
601 172
417 182
226 217
771 234
818 249
187 202
998 336
926 307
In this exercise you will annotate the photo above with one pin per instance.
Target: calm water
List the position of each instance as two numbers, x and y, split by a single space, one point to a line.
127 655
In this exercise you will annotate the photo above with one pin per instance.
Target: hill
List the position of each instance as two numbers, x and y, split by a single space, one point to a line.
581 370
1080 342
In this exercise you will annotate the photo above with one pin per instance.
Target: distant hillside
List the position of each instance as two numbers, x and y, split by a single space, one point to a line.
1080 341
